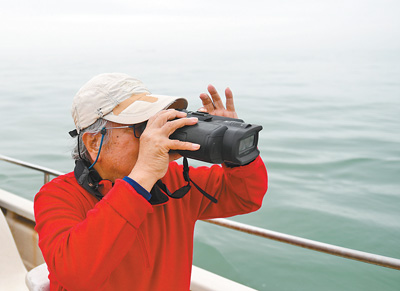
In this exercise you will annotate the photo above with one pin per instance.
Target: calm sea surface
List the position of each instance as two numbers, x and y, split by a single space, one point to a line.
331 144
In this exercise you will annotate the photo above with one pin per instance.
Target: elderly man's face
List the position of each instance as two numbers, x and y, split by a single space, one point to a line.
119 154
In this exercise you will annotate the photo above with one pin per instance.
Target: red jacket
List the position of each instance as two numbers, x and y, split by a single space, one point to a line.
125 243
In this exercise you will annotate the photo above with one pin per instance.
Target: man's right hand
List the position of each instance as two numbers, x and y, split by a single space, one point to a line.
155 146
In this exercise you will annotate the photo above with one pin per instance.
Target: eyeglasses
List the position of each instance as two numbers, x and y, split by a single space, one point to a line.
137 128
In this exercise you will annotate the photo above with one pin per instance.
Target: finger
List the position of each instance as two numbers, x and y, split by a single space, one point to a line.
207 102
175 144
215 97
171 126
202 109
230 106
162 117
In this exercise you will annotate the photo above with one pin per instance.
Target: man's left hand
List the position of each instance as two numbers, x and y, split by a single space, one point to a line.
214 104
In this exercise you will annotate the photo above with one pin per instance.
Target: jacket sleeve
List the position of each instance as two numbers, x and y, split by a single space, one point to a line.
76 241
239 190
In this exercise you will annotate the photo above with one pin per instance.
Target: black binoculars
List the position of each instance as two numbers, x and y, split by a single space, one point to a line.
221 139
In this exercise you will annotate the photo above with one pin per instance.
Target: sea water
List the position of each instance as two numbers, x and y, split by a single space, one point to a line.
330 141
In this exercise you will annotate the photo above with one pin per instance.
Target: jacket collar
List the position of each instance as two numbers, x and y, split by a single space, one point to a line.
92 182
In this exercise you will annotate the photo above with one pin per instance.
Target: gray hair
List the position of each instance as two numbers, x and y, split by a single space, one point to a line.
80 152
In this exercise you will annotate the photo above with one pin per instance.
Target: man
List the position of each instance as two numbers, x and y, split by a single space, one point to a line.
113 223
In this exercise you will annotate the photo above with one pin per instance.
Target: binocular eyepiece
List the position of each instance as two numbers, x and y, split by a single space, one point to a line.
221 139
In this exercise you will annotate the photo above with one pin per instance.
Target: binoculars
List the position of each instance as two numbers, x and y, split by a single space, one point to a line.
221 139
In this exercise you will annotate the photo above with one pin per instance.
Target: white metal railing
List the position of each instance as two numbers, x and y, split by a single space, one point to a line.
46 171
383 261
370 258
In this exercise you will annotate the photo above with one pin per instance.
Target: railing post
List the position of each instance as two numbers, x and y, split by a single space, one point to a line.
46 178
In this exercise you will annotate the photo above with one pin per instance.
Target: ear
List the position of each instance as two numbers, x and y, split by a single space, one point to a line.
92 144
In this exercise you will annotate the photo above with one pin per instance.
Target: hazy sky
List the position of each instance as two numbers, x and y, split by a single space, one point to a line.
279 24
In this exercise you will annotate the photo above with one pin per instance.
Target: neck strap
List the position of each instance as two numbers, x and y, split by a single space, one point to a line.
90 179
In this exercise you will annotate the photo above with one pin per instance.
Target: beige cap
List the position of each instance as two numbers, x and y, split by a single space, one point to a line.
119 98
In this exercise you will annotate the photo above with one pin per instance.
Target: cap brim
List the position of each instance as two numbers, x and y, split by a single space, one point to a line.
142 109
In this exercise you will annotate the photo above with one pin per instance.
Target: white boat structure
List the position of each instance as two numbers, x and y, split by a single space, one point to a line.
22 266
